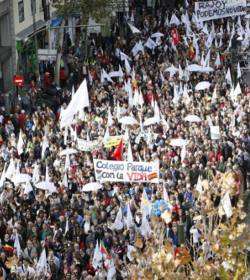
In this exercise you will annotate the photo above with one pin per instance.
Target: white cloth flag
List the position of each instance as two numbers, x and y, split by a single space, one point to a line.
226 203
134 29
199 186
28 188
47 178
42 263
20 144
165 195
73 91
214 93
150 44
45 145
10 170
17 245
66 133
35 177
238 71
183 153
97 258
110 121
175 20
118 111
164 122
106 136
237 90
129 217
65 180
118 224
127 66
130 250
217 61
67 226
111 271
77 103
228 77
3 177
67 161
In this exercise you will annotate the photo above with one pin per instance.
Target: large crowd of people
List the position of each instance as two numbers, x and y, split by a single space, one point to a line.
153 81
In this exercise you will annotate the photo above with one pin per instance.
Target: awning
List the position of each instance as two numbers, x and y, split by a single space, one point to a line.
29 30
56 22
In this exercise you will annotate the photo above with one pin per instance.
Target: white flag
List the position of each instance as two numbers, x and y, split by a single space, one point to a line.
226 203
130 251
165 195
106 136
17 245
110 121
228 77
10 170
199 186
67 161
65 180
47 178
97 258
214 93
28 188
35 177
238 71
45 145
20 144
134 29
183 153
42 263
3 177
67 226
90 78
129 217
73 91
118 224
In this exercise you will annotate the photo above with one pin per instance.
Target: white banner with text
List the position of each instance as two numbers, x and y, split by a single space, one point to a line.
219 9
126 171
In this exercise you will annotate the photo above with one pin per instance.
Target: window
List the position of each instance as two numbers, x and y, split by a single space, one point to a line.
21 11
31 6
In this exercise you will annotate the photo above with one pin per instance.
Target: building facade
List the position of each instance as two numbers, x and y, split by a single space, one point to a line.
7 47
23 26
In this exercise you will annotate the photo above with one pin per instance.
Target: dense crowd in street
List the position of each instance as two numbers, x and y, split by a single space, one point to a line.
56 229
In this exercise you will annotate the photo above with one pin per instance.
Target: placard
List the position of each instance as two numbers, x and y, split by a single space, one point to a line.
215 132
88 146
219 9
126 171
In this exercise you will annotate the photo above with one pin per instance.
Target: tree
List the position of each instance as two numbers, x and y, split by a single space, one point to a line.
63 7
95 9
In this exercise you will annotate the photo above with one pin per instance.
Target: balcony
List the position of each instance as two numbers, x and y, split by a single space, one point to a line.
46 10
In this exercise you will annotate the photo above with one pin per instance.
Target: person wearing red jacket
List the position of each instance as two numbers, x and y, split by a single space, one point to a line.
21 119
33 85
47 83
63 77
150 96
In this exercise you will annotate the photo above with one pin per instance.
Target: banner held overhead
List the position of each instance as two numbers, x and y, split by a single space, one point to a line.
126 171
219 9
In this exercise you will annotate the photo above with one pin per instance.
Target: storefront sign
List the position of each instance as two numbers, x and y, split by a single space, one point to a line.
126 171
219 9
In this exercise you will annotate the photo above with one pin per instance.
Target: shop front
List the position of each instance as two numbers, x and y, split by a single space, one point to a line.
28 56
